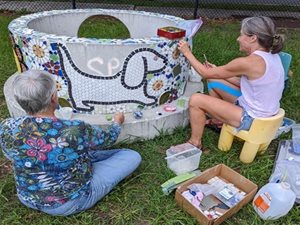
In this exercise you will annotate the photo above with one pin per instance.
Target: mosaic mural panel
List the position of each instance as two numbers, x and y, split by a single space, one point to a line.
103 75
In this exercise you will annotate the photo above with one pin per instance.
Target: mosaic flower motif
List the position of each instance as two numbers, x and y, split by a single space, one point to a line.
61 86
38 148
39 50
157 85
52 67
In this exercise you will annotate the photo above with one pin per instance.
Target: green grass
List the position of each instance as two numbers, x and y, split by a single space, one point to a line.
138 200
93 28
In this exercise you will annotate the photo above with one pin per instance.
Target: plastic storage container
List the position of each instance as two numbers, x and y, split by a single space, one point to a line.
286 126
296 138
274 200
287 167
171 32
183 158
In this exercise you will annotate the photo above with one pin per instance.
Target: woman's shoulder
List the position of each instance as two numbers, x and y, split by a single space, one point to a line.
251 66
13 121
72 123
245 62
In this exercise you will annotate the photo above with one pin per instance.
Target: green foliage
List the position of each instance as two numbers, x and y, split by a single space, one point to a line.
94 26
139 199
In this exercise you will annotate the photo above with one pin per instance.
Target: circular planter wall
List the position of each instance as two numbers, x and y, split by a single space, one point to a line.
97 77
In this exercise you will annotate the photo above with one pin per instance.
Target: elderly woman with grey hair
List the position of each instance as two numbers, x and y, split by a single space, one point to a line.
60 166
261 80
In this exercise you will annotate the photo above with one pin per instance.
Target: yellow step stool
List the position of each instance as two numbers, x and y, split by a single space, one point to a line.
257 139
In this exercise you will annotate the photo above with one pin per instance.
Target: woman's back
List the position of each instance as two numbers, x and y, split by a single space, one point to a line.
261 97
50 158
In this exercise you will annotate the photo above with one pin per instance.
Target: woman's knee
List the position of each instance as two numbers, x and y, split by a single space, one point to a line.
133 155
196 100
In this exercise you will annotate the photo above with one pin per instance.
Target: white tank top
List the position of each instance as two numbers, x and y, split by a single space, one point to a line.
261 97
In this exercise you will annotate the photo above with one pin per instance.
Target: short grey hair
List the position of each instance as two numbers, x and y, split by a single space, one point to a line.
264 29
33 90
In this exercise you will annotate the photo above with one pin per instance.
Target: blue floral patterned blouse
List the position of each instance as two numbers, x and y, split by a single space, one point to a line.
50 156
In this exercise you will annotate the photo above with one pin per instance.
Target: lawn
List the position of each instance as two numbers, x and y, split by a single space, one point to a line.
138 200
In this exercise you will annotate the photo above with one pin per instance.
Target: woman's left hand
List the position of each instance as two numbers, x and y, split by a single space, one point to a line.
119 117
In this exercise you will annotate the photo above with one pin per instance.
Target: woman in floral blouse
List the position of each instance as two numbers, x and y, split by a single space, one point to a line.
59 165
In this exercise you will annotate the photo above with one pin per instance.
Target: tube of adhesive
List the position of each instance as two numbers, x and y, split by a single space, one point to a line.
205 57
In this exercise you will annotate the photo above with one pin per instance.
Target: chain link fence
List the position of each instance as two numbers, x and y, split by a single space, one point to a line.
183 8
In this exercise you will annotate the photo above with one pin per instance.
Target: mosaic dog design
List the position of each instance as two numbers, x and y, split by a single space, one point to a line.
86 90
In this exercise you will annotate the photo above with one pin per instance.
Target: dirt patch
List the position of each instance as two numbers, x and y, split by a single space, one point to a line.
290 23
281 22
5 168
8 13
287 23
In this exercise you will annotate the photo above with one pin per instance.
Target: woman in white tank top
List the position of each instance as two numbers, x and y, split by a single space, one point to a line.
261 83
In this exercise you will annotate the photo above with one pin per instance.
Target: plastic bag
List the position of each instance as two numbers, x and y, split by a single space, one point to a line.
287 168
190 26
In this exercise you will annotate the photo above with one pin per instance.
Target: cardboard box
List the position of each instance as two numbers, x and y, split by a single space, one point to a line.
225 173
171 32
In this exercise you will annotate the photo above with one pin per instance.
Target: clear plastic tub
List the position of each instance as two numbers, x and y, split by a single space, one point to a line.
286 126
183 158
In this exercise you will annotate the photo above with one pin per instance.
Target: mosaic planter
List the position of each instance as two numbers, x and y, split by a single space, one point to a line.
101 76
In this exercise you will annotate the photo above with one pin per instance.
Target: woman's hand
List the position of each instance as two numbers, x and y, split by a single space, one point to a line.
184 47
209 65
119 117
